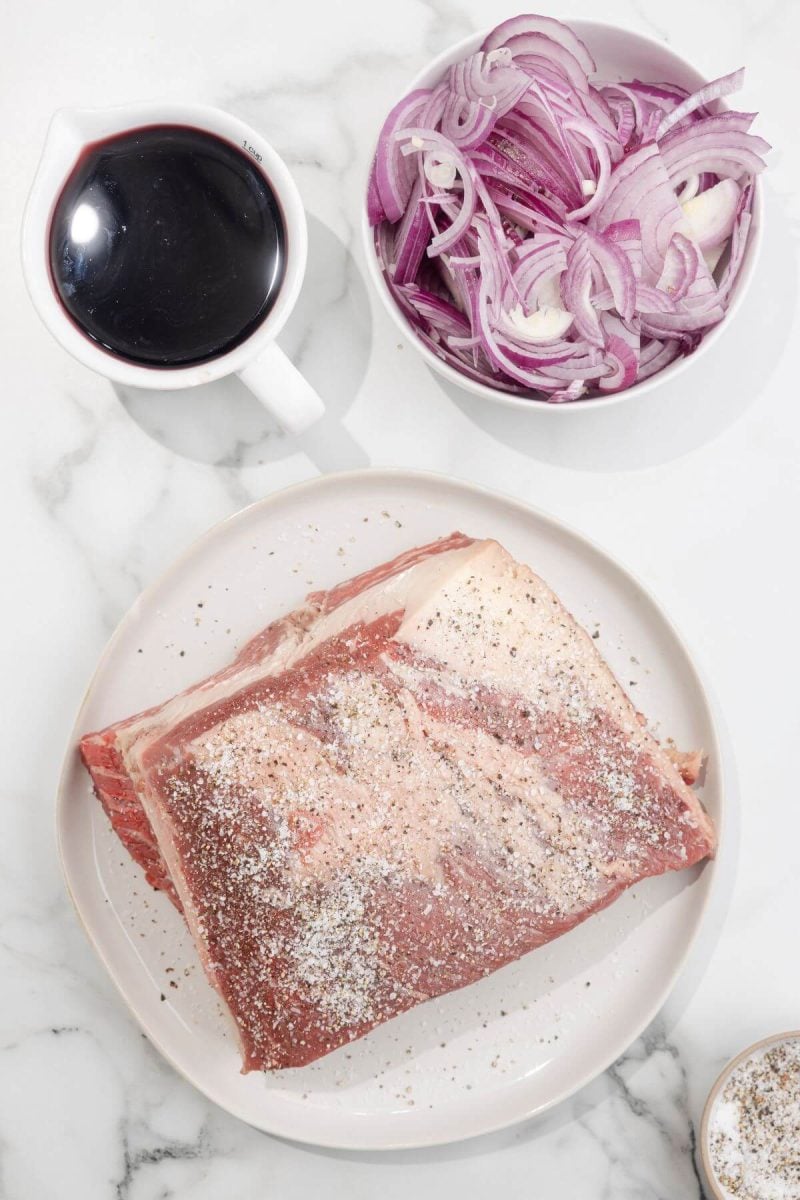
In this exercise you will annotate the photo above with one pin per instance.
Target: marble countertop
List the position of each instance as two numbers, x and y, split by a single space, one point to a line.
696 487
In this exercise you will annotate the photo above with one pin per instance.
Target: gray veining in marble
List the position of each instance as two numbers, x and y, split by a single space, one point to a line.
697 488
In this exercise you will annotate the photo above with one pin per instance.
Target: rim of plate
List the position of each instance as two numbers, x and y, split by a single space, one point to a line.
473 1128
673 370
719 1082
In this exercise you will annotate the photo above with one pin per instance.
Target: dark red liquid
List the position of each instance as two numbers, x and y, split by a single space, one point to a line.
167 245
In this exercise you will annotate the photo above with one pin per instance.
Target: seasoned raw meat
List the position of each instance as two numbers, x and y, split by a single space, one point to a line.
415 778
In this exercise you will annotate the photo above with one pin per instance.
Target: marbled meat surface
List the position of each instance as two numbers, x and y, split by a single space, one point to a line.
408 782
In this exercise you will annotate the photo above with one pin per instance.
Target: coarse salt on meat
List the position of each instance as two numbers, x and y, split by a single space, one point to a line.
413 779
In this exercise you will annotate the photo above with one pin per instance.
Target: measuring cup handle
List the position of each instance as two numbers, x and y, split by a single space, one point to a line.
280 387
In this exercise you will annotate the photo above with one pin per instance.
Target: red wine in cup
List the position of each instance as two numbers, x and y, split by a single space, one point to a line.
167 245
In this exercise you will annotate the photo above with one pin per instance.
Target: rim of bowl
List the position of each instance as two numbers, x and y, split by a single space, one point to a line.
791 1035
439 63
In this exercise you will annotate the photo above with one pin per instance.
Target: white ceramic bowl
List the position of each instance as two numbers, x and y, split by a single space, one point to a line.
619 54
715 1189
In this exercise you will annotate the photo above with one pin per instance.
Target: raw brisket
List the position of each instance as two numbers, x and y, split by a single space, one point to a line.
416 777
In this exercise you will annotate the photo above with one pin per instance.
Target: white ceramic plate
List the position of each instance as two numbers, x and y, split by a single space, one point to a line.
476 1060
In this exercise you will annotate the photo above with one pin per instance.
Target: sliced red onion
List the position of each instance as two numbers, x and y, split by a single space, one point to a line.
536 316
712 91
420 139
555 30
620 94
713 144
681 263
689 190
564 395
598 111
623 365
492 215
650 127
530 214
530 49
738 247
413 236
627 330
537 102
527 162
493 81
698 309
501 360
663 95
653 300
466 123
617 270
529 352
538 262
431 112
585 131
576 288
495 167
490 273
603 301
480 92
701 299
375 210
628 236
393 176
588 368
711 215
680 325
640 189
625 117
655 356
549 235
528 144
549 80
439 313
463 362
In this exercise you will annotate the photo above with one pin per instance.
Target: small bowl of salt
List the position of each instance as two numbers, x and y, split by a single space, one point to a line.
750 1134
